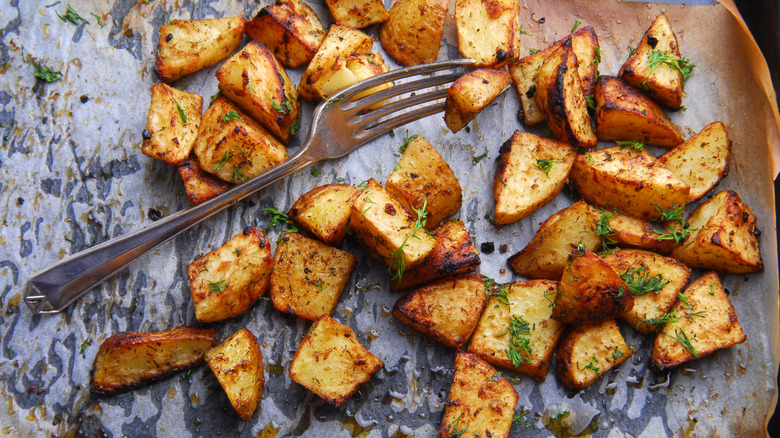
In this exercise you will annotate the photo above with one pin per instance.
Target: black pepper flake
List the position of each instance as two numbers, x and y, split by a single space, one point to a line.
20 201
168 38
154 214
487 247
542 20
756 232
500 56
306 270
652 41
745 216
531 92
247 231
147 134
84 98
503 248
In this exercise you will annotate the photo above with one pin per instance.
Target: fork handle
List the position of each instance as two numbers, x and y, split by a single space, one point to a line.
57 286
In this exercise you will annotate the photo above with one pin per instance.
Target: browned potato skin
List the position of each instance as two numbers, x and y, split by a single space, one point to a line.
454 254
581 344
290 28
357 13
590 291
199 184
128 360
639 233
585 44
624 113
412 33
238 365
325 211
187 46
471 93
170 138
488 31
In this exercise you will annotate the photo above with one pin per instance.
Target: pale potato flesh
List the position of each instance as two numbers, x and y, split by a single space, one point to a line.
488 31
238 365
472 93
357 13
413 31
171 124
587 352
349 71
325 211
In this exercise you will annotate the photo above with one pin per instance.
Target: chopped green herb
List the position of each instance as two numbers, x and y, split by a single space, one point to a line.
11 353
605 230
69 239
545 165
340 179
712 288
315 171
519 350
363 184
617 354
521 418
398 266
45 73
495 377
673 213
590 101
238 252
477 158
99 19
576 24
457 433
489 218
658 58
83 347
214 97
523 31
596 61
590 159
533 51
182 114
392 133
295 126
640 282
228 155
664 319
631 144
238 173
682 298
563 414
318 284
72 16
218 286
187 374
493 289
554 294
277 217
681 337
407 140
676 233
593 365
631 51
231 115
285 108
693 315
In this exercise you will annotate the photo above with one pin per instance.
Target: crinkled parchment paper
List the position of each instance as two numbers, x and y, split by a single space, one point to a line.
73 175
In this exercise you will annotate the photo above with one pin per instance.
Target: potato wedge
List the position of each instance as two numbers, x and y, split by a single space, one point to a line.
172 124
128 360
627 231
290 28
186 46
624 113
488 31
530 172
357 13
723 237
705 323
238 365
587 352
199 184
471 93
350 70
702 160
413 31
324 211
227 281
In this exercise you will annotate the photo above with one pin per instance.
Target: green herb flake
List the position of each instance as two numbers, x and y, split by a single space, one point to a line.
45 73
278 217
489 217
221 163
673 214
295 127
523 31
238 252
605 230
519 349
72 16
590 101
11 354
455 432
658 58
98 19
493 289
533 51
664 319
83 348
712 288
522 419
182 114
214 97
407 140
693 315
495 377
238 174
681 337
593 365
218 286
640 282
617 354
576 24
230 115
477 158
397 265
315 171
545 165
631 144
284 108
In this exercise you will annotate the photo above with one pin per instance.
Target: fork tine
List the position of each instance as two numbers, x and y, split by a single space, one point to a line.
371 132
373 99
398 105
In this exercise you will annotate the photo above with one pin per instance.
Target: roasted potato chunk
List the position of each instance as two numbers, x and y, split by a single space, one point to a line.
547 253
516 331
290 28
234 146
229 280
488 31
413 31
624 113
325 211
480 403
423 178
471 93
331 363
704 322
187 46
238 365
446 311
702 160
350 70
357 13
628 180
723 237
199 184
172 124
628 231
587 352
128 360
530 172
254 79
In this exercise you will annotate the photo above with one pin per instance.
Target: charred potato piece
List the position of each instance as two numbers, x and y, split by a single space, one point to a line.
412 33
187 46
238 365
227 281
290 28
199 184
172 124
723 237
349 71
702 160
423 178
624 113
331 363
530 172
454 254
516 330
446 311
488 31
472 93
587 352
325 211
481 402
255 81
357 13
233 146
128 360
705 323
585 44
548 252
628 231
628 180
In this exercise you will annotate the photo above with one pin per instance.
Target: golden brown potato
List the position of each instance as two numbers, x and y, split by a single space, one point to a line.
516 331
530 172
255 81
357 13
238 365
187 46
325 211
723 236
290 28
412 33
128 360
547 253
472 93
199 184
480 403
454 254
234 146
560 95
229 280
488 31
624 113
350 70
423 177
705 322
587 352
590 291
172 124
331 363
446 311
702 160
628 180
628 231
585 44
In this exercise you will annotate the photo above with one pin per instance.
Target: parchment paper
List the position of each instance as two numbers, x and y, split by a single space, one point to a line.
73 175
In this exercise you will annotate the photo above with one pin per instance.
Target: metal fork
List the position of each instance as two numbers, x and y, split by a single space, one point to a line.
339 125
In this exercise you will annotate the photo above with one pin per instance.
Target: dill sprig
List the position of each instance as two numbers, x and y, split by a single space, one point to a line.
681 337
640 282
545 165
519 349
493 289
398 266
658 58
